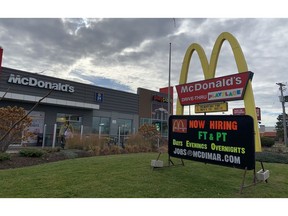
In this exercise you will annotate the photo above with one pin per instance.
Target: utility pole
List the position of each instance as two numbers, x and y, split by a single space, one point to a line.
284 113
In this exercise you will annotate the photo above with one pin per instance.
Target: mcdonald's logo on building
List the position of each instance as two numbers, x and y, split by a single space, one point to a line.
179 125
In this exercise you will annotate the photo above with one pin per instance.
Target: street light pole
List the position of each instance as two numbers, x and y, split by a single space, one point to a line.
169 103
284 113
169 83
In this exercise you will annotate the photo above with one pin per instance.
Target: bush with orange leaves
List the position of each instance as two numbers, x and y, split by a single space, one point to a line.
13 126
148 139
150 132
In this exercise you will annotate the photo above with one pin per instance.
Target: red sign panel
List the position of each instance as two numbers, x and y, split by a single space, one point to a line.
241 111
165 90
224 88
1 54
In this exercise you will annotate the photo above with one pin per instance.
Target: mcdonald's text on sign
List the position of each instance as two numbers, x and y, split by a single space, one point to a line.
217 139
224 88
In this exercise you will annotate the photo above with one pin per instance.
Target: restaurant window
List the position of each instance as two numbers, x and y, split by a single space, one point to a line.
74 120
103 122
124 126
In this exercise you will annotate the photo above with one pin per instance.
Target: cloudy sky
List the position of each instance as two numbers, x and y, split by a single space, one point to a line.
127 53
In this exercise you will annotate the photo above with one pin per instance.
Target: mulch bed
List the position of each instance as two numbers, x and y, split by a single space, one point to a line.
18 161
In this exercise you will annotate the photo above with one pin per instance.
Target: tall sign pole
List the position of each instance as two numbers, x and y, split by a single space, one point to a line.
284 113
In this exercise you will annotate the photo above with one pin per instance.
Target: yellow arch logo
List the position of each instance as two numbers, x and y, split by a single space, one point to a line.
209 73
179 125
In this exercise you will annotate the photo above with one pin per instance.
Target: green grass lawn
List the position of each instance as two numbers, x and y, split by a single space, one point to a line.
131 176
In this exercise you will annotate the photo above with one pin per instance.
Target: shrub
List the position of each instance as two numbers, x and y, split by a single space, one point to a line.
267 141
115 149
69 154
74 143
87 143
138 143
271 157
52 150
94 145
144 141
150 133
96 150
4 156
31 152
105 150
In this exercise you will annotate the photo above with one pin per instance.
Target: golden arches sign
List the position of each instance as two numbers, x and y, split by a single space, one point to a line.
209 73
179 126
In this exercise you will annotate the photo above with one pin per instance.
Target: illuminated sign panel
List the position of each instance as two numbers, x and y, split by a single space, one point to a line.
224 88
216 139
211 107
160 99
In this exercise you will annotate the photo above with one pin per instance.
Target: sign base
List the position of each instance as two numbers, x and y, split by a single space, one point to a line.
260 176
156 163
160 164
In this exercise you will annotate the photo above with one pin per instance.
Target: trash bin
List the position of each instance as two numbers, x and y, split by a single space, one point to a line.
39 139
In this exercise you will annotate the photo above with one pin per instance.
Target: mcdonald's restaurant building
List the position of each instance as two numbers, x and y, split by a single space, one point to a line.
153 108
90 109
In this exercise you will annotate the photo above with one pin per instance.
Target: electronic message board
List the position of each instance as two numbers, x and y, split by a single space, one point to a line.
216 139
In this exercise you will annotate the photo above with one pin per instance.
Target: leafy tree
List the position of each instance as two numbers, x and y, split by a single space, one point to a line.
14 122
279 127
11 129
150 133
